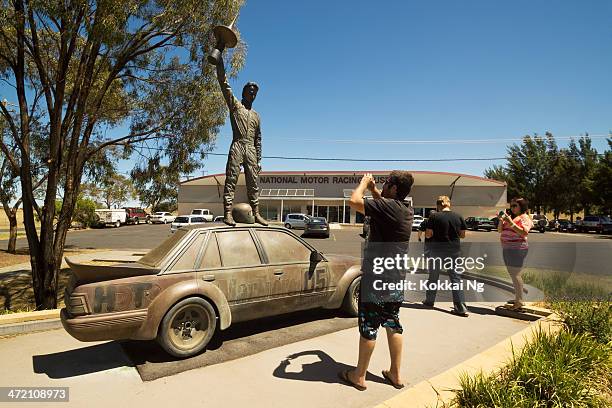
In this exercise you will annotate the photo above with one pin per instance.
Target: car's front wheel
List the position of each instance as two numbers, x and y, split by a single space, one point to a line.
288 226
187 327
350 305
117 224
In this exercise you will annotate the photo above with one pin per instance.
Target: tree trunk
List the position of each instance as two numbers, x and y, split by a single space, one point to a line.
12 243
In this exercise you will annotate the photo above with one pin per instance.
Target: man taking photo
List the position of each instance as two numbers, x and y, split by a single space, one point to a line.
390 228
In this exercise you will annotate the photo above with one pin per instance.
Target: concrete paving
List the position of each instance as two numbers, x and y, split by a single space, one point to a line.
300 374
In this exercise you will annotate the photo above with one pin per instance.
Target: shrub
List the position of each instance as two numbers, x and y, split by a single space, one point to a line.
592 318
553 370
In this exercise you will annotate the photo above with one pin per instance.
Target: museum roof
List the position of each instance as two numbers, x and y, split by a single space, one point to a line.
427 178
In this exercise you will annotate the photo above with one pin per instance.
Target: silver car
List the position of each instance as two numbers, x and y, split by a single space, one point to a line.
185 221
296 221
162 218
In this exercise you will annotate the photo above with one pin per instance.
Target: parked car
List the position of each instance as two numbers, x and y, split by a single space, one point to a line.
162 218
482 223
564 225
495 221
206 214
202 279
111 217
186 220
295 221
607 226
416 222
316 226
540 222
594 223
136 215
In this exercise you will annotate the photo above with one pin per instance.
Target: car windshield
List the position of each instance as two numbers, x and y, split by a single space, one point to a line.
316 220
154 257
591 218
182 219
482 219
159 213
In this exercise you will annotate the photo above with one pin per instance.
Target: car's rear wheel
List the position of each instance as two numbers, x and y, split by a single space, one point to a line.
288 226
187 327
117 224
350 305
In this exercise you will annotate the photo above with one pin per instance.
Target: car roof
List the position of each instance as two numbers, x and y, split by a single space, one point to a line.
213 226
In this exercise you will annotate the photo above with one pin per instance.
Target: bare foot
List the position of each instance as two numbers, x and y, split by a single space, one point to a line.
393 379
352 377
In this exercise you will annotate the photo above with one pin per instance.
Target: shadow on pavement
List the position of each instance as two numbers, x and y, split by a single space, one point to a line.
239 340
86 360
471 309
325 370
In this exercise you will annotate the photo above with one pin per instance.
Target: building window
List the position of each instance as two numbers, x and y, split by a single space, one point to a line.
333 213
289 209
269 210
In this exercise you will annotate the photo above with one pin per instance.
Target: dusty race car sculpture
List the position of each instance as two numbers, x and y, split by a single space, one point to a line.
203 279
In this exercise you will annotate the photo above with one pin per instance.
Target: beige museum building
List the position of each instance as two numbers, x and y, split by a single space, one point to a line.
326 193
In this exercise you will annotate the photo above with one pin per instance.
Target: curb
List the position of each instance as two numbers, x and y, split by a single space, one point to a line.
30 327
27 322
438 390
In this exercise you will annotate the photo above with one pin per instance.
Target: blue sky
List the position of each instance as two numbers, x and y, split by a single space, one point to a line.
410 70
426 70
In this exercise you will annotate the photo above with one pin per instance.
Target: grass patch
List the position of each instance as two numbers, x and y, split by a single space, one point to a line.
17 295
559 284
553 370
6 259
570 368
592 318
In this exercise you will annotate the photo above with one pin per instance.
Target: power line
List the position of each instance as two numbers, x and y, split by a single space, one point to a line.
347 159
447 141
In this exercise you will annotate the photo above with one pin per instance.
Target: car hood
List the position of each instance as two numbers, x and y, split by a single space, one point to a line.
85 273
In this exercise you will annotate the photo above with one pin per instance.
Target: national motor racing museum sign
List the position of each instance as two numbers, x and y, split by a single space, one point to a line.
302 180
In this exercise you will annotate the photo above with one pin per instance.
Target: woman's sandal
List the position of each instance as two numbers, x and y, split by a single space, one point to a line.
390 381
343 375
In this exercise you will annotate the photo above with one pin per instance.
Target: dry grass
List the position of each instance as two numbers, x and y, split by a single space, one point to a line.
7 259
16 293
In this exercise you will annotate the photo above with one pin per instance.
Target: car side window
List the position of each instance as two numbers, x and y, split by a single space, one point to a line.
211 258
237 249
283 248
187 259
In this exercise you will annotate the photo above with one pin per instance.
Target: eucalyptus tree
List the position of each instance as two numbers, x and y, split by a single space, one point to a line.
95 68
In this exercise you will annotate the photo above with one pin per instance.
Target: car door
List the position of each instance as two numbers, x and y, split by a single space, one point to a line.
232 262
298 284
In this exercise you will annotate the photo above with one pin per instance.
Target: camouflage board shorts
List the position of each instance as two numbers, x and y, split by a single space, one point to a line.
374 315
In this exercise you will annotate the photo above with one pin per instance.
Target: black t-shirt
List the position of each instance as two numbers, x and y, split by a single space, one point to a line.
446 226
390 220
422 228
390 228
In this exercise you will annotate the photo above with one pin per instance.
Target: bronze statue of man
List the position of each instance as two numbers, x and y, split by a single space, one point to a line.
245 149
